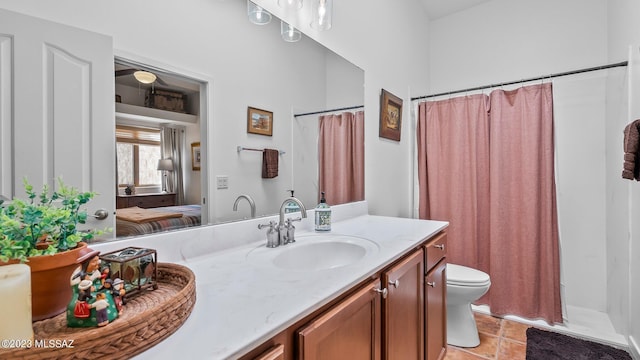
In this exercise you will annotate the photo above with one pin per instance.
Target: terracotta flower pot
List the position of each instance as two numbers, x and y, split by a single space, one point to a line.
50 281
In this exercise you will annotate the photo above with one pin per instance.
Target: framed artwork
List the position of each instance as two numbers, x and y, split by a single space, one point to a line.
390 116
259 121
195 156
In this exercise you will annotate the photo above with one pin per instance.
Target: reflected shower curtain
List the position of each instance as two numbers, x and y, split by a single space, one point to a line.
512 233
172 146
341 157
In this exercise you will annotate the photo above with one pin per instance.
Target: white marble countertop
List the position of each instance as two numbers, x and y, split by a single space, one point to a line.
243 301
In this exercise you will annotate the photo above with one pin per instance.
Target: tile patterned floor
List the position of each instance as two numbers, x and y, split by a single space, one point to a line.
500 339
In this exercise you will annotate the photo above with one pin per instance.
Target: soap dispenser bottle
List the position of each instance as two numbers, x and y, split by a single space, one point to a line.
323 215
291 206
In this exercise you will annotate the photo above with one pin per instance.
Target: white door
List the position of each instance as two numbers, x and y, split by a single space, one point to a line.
56 109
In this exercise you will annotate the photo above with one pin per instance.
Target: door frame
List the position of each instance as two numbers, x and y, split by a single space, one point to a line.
205 113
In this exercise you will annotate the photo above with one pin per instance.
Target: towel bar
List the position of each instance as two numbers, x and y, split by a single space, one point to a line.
241 148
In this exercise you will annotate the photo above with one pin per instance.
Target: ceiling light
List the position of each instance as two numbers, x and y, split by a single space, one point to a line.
290 4
321 14
289 33
257 14
144 77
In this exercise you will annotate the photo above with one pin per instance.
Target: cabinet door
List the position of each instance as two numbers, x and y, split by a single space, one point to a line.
56 109
349 330
436 312
403 309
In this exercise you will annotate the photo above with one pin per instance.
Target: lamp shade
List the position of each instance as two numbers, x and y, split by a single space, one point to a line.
144 77
257 14
321 11
289 33
165 164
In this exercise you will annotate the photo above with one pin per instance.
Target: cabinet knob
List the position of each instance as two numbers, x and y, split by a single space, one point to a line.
432 284
395 283
384 292
439 246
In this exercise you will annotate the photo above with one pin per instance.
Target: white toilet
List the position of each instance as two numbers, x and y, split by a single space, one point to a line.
464 286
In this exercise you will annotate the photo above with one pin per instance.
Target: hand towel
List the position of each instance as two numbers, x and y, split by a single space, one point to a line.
631 165
270 163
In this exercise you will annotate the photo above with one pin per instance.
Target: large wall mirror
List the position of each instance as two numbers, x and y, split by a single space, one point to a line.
294 83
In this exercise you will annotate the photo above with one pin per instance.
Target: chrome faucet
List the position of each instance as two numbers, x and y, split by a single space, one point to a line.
251 203
283 232
287 230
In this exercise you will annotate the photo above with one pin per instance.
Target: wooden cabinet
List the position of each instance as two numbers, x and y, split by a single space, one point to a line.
399 313
403 309
350 329
436 298
146 200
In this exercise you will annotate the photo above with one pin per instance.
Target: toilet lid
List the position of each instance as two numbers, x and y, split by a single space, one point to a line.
466 276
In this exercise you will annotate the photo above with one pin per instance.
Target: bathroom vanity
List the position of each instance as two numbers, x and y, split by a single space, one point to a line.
371 288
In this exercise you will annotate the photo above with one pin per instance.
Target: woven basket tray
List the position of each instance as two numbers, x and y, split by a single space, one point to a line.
148 318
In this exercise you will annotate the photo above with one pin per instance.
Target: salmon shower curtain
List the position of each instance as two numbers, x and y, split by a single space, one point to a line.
341 157
511 232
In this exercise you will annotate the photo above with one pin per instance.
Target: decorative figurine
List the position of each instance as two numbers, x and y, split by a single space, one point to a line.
90 307
101 305
82 309
118 294
105 274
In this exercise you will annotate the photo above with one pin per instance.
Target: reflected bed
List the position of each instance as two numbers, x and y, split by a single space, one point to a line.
138 221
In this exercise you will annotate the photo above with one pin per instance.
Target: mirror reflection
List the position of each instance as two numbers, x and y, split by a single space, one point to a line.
286 81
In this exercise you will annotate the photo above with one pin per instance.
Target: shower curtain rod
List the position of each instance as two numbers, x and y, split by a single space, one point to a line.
603 67
328 111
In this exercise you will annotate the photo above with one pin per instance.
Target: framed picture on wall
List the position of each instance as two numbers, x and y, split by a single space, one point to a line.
390 116
195 156
259 121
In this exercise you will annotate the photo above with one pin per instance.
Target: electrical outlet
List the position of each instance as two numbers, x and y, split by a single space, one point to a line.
222 182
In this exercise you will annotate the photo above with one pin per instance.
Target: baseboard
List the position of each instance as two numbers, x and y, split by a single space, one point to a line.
634 349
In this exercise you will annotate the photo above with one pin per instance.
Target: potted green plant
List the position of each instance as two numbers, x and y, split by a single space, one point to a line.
42 231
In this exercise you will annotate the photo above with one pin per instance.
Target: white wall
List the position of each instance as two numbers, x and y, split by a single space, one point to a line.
624 206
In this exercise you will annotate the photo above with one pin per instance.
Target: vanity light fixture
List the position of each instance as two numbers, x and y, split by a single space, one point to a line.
145 77
289 33
257 14
290 4
321 11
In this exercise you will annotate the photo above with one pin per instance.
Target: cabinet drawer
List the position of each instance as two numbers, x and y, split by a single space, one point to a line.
435 250
146 200
275 353
154 201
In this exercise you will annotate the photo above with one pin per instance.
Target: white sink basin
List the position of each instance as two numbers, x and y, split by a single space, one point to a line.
315 252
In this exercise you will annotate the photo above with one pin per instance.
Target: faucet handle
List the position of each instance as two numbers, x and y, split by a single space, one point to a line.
272 233
290 220
272 224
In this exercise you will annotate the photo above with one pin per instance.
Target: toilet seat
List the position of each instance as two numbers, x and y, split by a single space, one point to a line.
465 276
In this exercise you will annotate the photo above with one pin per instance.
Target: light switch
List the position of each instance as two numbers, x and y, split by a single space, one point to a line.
222 181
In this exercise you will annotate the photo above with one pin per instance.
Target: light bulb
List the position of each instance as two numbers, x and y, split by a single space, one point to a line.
257 14
321 14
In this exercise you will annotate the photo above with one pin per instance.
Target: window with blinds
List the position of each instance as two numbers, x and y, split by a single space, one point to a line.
138 152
